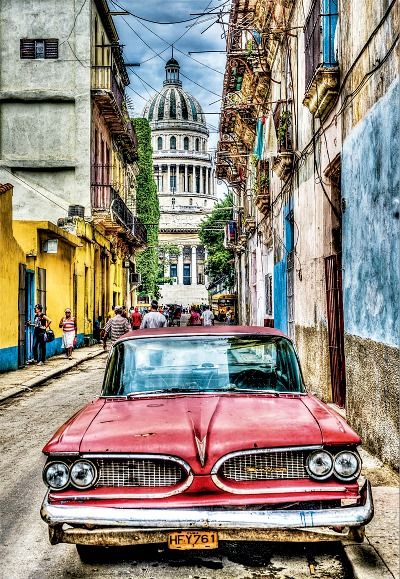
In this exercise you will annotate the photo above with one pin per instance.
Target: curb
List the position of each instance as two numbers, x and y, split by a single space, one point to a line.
365 562
38 381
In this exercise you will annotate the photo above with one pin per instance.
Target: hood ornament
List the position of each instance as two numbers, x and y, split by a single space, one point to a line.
201 449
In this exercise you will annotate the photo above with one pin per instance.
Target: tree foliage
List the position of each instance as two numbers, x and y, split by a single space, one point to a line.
148 209
220 260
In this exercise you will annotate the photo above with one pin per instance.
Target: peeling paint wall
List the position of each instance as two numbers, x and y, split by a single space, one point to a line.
371 257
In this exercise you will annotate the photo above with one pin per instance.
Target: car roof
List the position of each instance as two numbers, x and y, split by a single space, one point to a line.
205 330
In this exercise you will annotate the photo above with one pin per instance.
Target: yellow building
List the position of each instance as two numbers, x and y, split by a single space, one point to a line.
12 261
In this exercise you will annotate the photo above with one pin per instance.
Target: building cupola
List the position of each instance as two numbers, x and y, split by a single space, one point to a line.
172 73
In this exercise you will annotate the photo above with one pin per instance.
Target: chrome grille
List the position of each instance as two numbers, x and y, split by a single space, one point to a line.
265 466
139 473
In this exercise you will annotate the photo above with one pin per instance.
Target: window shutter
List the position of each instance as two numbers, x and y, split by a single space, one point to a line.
51 48
27 48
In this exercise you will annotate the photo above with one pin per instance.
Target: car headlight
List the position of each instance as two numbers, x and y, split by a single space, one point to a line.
56 475
320 464
83 474
347 465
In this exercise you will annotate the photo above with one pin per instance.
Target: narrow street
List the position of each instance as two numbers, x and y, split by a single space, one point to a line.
27 423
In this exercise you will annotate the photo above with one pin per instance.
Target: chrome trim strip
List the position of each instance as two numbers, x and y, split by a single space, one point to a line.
276 490
81 514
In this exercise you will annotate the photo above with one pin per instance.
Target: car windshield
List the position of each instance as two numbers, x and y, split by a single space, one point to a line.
202 364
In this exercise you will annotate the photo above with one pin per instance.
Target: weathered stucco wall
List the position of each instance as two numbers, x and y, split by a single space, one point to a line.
312 347
371 257
373 385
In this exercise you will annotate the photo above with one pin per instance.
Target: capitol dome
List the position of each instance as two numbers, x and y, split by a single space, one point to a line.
172 104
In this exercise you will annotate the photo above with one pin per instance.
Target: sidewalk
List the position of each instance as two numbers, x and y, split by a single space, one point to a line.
24 379
378 556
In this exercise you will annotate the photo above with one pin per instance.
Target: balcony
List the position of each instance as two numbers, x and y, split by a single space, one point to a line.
111 212
283 122
109 95
322 92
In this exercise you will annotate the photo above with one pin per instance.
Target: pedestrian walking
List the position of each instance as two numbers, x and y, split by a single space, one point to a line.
194 318
116 326
40 323
97 329
136 319
207 317
229 316
69 328
153 319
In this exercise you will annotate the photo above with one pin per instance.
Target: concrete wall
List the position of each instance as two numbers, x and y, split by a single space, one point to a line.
45 108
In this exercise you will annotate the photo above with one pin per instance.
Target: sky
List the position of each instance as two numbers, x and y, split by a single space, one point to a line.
149 44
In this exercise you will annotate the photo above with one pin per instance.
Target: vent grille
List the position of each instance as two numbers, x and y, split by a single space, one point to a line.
265 466
139 473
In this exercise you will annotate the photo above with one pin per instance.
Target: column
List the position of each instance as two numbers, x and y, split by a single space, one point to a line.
185 183
207 180
168 189
166 265
194 179
194 266
205 266
180 265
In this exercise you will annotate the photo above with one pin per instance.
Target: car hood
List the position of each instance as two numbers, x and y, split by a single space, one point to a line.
201 428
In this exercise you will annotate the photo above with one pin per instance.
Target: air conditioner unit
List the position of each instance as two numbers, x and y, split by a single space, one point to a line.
134 278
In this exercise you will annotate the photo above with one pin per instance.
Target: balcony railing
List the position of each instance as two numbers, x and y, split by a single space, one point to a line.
104 78
105 199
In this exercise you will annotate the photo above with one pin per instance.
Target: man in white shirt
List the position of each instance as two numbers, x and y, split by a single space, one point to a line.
207 317
153 319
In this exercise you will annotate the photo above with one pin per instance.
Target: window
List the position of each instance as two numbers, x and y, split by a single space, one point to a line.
186 274
186 143
172 143
159 143
41 287
268 294
38 48
197 145
173 270
319 41
190 201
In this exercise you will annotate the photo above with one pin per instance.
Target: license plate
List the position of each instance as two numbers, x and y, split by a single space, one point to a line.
193 540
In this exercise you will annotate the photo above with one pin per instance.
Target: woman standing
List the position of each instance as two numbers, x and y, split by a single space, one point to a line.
40 323
68 325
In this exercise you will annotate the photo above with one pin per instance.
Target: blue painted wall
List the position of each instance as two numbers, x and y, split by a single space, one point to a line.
280 273
371 246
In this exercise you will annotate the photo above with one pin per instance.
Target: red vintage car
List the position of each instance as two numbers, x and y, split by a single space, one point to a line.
203 435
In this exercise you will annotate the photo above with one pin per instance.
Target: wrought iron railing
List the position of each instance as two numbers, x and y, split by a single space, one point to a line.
319 37
105 197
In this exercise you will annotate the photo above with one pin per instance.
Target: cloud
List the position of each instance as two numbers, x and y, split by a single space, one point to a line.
149 44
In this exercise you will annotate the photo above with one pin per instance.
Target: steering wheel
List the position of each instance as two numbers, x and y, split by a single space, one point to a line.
251 379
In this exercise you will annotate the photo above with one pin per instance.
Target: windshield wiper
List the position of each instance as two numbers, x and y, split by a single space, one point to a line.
234 388
166 391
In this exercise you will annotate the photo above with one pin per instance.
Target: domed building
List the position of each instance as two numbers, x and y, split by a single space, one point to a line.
185 177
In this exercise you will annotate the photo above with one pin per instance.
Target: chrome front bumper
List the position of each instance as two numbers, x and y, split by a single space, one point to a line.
106 522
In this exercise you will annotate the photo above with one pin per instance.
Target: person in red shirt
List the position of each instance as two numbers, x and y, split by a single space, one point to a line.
136 319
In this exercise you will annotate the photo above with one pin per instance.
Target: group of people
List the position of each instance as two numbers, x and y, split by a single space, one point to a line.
41 331
115 327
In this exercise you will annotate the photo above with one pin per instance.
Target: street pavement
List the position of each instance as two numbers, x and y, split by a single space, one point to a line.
377 557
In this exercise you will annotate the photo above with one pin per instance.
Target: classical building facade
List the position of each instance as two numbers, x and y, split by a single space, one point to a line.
184 174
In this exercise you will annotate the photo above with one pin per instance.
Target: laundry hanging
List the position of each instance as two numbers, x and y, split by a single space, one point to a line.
270 141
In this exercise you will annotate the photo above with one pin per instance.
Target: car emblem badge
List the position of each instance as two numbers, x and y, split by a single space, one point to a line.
201 449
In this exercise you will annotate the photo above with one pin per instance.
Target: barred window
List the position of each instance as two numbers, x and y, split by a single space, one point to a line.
319 33
41 288
31 48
